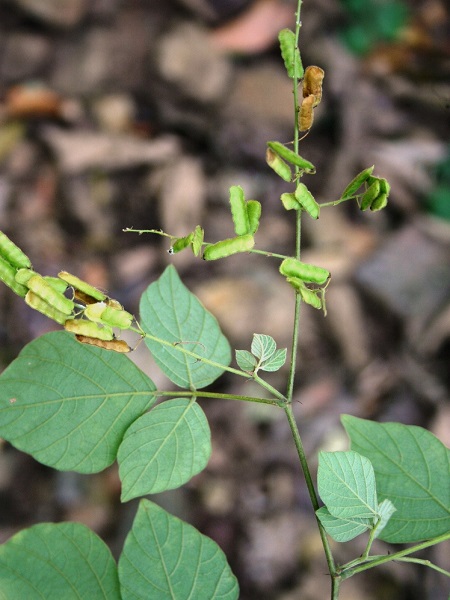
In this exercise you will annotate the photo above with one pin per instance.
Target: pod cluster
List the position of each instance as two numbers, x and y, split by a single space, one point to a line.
88 312
301 275
375 194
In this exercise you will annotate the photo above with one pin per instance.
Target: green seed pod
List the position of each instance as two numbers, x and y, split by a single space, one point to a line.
289 201
181 244
312 83
370 194
116 345
12 253
306 113
291 267
254 215
113 303
107 315
290 53
308 296
36 302
356 183
239 210
242 243
292 157
278 165
82 286
307 201
379 202
23 275
197 240
89 329
385 188
42 288
57 284
7 275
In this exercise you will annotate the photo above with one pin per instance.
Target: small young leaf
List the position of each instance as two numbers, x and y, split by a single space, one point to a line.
346 483
385 511
246 360
341 530
275 362
165 558
164 448
52 561
263 346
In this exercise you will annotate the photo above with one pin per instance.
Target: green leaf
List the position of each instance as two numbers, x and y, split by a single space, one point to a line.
411 469
171 312
69 404
164 448
346 483
246 360
341 530
385 511
263 346
275 362
54 561
165 558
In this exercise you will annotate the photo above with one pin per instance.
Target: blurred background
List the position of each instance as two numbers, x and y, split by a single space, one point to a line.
142 114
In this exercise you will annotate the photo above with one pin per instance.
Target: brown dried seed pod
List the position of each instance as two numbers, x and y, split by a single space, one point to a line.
306 114
312 83
116 345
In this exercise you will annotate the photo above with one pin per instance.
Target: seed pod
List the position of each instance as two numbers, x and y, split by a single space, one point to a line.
254 215
278 165
287 154
306 113
113 303
312 83
82 297
289 201
385 188
291 267
42 288
36 302
290 53
12 253
116 345
356 183
242 243
89 328
101 313
379 202
307 201
197 240
82 286
23 275
370 194
239 210
181 244
7 275
308 296
57 284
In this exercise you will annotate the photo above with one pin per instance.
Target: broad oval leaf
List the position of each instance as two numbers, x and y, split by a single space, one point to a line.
245 360
275 362
169 311
412 470
55 561
165 558
68 404
341 530
346 483
164 448
263 346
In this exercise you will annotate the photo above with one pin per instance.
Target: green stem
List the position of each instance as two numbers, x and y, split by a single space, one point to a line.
200 394
426 563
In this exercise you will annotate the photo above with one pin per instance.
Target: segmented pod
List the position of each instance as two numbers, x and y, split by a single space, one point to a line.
370 194
242 243
8 276
102 313
23 275
36 302
254 215
289 201
89 329
307 201
379 202
312 83
295 159
82 286
42 288
181 243
197 240
239 210
356 183
290 53
291 267
57 284
385 187
278 165
308 296
306 113
12 253
115 345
